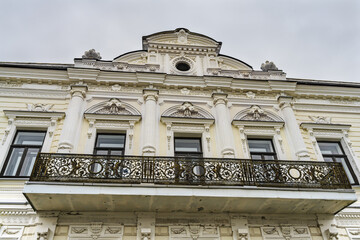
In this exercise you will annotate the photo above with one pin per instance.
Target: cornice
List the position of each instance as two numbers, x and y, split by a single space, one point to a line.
319 107
258 124
192 121
324 126
209 82
112 117
33 114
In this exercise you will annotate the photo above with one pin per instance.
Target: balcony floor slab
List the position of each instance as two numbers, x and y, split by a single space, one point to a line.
165 198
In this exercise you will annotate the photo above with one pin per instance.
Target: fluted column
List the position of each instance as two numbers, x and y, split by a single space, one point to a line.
150 121
292 128
73 119
223 125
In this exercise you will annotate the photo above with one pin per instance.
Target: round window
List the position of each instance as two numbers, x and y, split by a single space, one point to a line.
182 66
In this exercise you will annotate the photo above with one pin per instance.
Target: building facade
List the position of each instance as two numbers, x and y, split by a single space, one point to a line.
176 141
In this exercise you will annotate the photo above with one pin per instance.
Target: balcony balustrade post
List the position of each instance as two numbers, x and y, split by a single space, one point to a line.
223 125
150 121
73 119
292 128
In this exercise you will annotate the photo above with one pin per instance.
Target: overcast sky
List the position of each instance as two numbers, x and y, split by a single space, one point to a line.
316 39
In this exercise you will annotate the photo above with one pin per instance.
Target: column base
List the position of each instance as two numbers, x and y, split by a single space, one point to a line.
65 147
228 153
303 155
148 151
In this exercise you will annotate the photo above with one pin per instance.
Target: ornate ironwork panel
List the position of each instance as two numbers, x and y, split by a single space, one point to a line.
189 171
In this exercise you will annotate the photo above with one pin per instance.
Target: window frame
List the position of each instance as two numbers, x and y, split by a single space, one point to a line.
178 154
333 133
22 160
343 155
262 154
109 149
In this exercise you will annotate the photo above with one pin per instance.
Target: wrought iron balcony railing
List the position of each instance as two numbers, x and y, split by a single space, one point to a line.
188 171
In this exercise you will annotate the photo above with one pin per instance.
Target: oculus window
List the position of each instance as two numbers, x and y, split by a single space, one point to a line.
262 149
333 152
22 154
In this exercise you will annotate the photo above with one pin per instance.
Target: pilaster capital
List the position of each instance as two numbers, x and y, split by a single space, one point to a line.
219 98
285 101
151 94
78 91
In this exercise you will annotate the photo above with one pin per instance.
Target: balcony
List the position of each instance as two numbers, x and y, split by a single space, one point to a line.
72 182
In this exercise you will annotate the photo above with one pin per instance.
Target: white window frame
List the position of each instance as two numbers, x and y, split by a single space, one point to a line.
182 126
332 132
105 123
29 120
261 130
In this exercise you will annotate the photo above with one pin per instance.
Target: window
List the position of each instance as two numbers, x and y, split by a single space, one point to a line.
110 144
189 165
188 147
22 153
333 152
262 149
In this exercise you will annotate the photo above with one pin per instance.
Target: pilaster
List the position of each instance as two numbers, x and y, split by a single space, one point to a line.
223 125
292 128
73 119
150 121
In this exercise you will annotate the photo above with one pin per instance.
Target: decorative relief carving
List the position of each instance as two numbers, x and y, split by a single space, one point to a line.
187 110
320 119
113 106
256 113
286 232
43 235
182 36
354 233
250 95
145 233
39 107
11 232
185 91
96 230
8 128
194 231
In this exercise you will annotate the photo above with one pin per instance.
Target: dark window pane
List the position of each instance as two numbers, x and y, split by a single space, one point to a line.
116 153
30 138
14 161
347 169
187 145
269 157
29 161
102 152
260 146
256 157
330 148
110 141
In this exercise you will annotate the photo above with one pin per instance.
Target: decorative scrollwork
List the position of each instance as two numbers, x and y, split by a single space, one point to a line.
191 171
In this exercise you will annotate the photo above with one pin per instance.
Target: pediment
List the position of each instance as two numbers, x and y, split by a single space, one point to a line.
180 36
256 114
113 107
187 110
